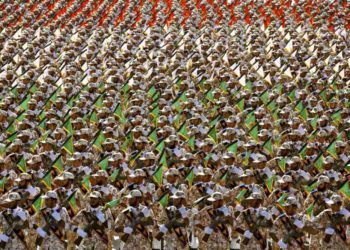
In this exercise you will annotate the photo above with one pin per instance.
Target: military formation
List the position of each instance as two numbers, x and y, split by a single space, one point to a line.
166 124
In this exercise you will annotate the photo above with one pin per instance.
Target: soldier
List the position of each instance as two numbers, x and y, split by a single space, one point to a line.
14 223
333 224
94 224
290 228
174 222
253 223
52 224
218 222
132 224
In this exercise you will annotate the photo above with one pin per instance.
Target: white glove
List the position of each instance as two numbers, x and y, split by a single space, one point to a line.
146 212
266 214
299 223
163 229
4 238
239 208
81 233
128 230
41 232
282 245
329 231
248 234
56 216
208 230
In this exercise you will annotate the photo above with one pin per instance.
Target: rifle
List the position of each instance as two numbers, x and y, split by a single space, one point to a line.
93 225
292 232
14 228
54 226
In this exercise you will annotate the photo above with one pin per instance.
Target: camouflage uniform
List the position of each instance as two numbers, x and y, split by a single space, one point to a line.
46 220
20 218
254 225
93 240
172 239
136 239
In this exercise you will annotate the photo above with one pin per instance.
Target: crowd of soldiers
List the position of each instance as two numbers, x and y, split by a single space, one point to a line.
174 124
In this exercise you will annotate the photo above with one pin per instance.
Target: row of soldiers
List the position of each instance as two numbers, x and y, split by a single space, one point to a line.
172 216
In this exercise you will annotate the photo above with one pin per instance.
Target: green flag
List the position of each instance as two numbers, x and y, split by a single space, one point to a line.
190 178
73 203
268 146
153 136
291 95
119 113
158 175
183 131
264 97
336 117
3 182
232 148
38 204
282 199
11 128
331 149
22 165
24 103
68 126
304 114
164 200
99 101
191 142
103 164
240 105
113 203
254 133
241 195
86 183
58 164
151 91
47 179
250 120
115 174
93 117
98 141
212 134
163 160
319 163
68 145
312 186
155 112
309 210
161 145
12 137
209 95
282 164
313 122
269 183
272 106
345 190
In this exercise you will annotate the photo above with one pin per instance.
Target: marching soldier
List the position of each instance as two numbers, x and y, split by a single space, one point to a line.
14 222
133 223
174 221
216 222
52 224
333 225
253 223
290 228
94 225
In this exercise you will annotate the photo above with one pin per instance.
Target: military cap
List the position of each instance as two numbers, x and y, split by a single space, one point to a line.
51 195
178 195
134 194
13 196
95 194
290 201
216 196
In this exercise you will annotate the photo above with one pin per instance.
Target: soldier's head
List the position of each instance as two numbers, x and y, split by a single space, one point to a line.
23 180
254 200
335 202
95 199
172 175
290 206
285 182
12 200
178 198
323 183
247 177
65 179
51 199
134 197
216 199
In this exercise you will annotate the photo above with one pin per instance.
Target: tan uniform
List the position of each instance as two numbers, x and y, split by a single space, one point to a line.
137 239
219 235
54 227
175 237
289 231
13 223
98 236
254 224
333 225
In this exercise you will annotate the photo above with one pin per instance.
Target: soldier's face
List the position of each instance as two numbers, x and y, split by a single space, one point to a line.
50 202
94 202
336 207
